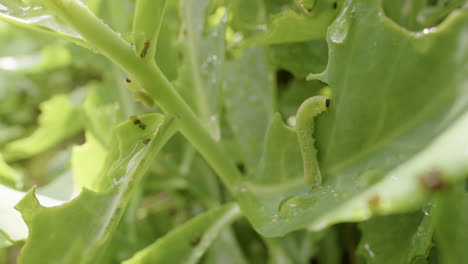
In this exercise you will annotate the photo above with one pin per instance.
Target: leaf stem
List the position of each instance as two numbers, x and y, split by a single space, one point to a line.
105 41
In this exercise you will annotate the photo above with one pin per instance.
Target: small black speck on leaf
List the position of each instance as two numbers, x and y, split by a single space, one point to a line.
135 120
146 141
127 80
432 180
195 241
145 49
374 202
335 5
327 102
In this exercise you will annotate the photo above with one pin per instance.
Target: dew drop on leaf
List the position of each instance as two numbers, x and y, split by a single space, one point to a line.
291 206
339 30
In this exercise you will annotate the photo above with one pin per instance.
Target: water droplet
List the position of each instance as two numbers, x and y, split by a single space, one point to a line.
292 205
426 31
35 15
339 30
292 121
427 209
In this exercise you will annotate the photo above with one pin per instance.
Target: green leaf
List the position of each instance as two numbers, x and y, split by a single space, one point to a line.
8 175
59 119
147 21
295 247
35 14
187 243
271 22
450 219
87 162
225 249
405 238
405 14
297 91
167 50
49 58
4 241
374 157
330 251
88 159
11 223
300 58
82 228
248 103
200 75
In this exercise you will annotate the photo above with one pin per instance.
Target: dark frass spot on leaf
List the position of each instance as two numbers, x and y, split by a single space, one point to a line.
327 102
335 5
195 241
145 49
432 180
173 211
127 80
137 122
146 141
241 167
374 202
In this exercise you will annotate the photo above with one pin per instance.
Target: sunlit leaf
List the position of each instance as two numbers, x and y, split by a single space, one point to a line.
11 222
59 119
83 227
47 59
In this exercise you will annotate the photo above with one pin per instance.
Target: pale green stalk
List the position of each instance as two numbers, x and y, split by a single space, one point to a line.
150 77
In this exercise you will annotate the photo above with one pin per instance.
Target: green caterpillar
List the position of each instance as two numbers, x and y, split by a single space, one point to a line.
305 116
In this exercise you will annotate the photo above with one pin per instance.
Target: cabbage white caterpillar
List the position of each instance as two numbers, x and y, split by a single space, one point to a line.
305 116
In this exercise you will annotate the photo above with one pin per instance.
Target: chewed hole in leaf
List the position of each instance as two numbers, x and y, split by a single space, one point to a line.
283 77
